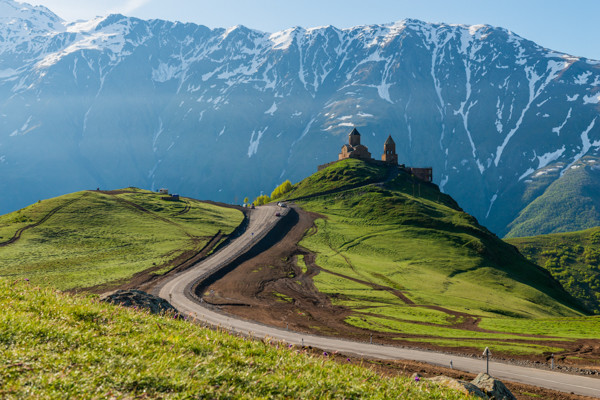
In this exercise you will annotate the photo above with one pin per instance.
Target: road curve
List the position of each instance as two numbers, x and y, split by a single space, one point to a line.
178 291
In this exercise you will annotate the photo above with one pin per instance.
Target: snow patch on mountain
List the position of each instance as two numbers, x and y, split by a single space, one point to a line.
272 110
492 200
165 72
586 145
526 173
110 38
547 158
283 40
8 73
157 134
594 99
559 128
255 141
582 78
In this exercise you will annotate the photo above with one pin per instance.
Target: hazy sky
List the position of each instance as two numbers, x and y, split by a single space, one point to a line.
569 26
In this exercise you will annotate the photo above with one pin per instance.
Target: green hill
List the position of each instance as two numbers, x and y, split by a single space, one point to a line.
572 258
408 263
407 235
55 346
92 238
570 203
341 175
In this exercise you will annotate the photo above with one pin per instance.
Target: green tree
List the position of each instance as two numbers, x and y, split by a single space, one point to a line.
281 189
245 200
260 200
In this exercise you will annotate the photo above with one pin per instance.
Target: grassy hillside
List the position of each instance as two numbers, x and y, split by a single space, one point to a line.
90 238
428 249
405 259
572 258
570 203
345 174
57 346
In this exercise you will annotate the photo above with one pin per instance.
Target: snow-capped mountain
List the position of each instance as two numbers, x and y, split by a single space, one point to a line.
226 113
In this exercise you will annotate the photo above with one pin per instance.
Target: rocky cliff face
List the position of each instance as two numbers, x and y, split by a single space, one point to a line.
226 113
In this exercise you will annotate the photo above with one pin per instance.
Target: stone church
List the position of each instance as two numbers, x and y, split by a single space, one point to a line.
354 149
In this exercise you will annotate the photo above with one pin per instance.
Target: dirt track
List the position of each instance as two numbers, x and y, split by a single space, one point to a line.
250 288
45 218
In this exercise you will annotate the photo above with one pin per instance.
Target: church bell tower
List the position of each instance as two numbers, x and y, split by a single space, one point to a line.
389 151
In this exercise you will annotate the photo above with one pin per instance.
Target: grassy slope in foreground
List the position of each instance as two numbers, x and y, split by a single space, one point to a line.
572 258
94 238
58 346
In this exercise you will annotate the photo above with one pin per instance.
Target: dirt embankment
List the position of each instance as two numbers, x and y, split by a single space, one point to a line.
268 285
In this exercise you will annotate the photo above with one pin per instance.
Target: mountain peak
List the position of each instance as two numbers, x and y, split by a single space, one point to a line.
20 21
10 9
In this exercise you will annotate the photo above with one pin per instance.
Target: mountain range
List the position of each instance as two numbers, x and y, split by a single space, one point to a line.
507 125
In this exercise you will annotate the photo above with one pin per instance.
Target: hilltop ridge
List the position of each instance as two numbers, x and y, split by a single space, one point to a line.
97 240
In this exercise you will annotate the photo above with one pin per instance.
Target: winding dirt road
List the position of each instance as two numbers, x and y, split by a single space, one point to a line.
179 291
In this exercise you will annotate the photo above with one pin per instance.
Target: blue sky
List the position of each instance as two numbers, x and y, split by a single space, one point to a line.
569 26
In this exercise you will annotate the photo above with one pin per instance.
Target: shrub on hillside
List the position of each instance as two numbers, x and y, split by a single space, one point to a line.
281 189
260 200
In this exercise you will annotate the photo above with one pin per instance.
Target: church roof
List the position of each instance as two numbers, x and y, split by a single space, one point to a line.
354 132
389 140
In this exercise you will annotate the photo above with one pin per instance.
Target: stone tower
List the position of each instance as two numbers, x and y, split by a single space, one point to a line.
389 151
354 138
